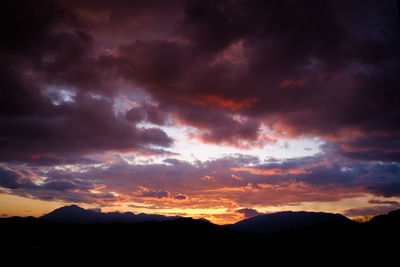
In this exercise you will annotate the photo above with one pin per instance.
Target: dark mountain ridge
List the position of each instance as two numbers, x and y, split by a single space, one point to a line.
288 221
307 237
76 214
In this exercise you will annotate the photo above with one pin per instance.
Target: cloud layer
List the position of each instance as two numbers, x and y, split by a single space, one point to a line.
82 80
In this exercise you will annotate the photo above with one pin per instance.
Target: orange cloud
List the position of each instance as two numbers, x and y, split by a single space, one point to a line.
235 177
233 55
207 178
296 83
216 101
274 171
97 188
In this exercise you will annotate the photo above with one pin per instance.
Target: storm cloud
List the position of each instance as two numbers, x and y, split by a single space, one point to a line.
90 89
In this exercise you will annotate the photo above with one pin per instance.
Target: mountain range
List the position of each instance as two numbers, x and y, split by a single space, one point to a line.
261 224
288 221
76 214
75 235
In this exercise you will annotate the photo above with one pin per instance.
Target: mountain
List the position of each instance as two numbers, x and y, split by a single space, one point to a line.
76 214
287 221
383 226
392 218
30 240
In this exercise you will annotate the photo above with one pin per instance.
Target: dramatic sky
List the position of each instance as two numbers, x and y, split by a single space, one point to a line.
213 109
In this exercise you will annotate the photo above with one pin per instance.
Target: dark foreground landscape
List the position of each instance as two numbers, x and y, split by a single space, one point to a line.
282 237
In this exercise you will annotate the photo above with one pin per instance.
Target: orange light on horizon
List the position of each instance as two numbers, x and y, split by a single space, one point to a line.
274 171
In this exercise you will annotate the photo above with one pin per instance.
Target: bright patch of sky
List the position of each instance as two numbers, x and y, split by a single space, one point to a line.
59 95
191 150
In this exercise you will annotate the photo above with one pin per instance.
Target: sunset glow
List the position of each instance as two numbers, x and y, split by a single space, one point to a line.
203 109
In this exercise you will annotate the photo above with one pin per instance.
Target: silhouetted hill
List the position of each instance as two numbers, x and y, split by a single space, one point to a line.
392 218
76 214
312 238
170 241
288 221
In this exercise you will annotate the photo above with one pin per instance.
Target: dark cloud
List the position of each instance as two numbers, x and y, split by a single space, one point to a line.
15 179
8 179
385 188
383 202
373 155
374 210
248 213
25 180
86 126
219 127
306 72
314 70
180 197
147 113
125 21
382 147
211 26
60 185
383 179
154 194
49 111
226 180
81 78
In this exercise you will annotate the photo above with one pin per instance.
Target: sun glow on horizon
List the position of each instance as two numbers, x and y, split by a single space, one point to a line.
199 108
21 206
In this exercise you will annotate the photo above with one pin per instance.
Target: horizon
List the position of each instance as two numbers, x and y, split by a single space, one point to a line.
219 110
358 219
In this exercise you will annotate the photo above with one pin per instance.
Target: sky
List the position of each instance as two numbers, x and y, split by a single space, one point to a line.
208 109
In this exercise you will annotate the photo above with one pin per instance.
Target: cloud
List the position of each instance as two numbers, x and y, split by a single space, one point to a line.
60 185
232 100
15 179
307 91
385 189
81 79
147 113
8 179
165 185
153 194
55 93
374 210
377 201
86 127
248 213
180 197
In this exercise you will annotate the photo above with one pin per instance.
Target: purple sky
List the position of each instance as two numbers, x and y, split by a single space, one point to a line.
215 109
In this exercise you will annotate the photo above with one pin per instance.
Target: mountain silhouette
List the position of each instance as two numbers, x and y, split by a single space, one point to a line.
76 214
288 237
392 218
288 221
